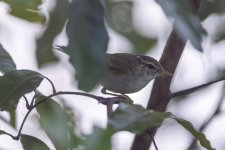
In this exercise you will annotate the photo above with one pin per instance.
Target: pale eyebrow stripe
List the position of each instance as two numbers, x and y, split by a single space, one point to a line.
149 63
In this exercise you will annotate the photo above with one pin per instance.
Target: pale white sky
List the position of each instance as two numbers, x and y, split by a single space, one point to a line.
18 37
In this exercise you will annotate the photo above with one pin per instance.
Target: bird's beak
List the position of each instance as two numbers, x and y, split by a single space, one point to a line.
166 73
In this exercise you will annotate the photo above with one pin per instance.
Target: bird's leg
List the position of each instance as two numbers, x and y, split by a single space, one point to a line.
127 98
105 92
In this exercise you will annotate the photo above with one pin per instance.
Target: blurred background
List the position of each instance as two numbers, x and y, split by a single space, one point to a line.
19 36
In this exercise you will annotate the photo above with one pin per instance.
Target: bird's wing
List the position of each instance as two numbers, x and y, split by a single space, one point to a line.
119 64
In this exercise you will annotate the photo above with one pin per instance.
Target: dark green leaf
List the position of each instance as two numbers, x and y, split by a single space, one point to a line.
26 14
31 4
88 41
53 121
71 118
31 142
119 17
13 118
135 118
58 16
99 139
198 135
141 43
6 62
15 84
186 22
209 7
27 10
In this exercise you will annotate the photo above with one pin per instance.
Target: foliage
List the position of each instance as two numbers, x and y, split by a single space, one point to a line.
85 23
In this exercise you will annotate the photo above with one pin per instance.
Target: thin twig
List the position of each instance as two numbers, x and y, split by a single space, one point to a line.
193 89
52 84
27 103
109 101
153 139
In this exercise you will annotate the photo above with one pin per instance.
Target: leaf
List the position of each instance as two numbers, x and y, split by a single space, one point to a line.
27 10
26 14
119 18
44 50
186 22
53 121
135 118
88 41
99 139
31 4
13 118
71 118
141 43
209 7
6 62
15 84
198 135
31 142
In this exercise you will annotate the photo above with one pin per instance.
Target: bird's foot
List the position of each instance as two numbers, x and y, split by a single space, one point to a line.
126 98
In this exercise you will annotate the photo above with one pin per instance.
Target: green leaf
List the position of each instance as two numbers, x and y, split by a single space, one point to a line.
44 50
198 135
15 84
26 14
119 18
141 43
88 41
71 118
31 4
31 142
6 62
209 7
53 121
186 22
99 139
135 118
27 10
13 118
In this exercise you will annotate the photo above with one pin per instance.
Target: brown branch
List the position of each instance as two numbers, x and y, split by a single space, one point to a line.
216 112
161 95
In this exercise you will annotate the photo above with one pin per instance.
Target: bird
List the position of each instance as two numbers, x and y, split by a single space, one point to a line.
129 73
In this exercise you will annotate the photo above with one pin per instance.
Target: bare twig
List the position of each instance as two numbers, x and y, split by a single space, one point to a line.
108 101
191 90
53 86
27 103
153 139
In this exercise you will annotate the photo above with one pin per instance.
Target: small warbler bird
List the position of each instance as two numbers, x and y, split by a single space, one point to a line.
129 73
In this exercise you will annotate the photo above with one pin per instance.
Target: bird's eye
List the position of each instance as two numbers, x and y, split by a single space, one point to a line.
150 66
